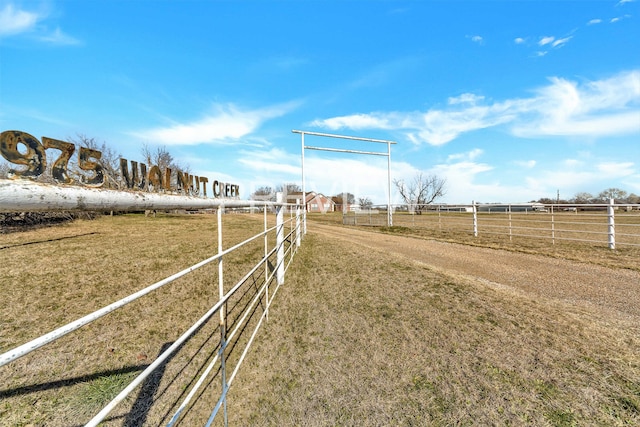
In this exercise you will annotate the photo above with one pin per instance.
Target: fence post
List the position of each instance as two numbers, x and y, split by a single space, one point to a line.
475 219
298 222
510 225
553 227
612 225
266 264
223 321
280 239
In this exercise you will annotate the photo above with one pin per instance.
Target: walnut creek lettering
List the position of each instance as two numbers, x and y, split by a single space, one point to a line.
21 148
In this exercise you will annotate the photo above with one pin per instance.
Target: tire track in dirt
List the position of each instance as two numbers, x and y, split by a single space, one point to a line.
613 292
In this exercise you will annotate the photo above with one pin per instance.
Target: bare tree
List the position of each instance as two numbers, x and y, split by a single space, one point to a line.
4 169
583 198
110 160
344 199
365 203
161 158
265 193
612 193
289 188
422 190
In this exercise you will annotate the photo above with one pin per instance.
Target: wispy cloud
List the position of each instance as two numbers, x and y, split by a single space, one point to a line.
561 42
226 124
525 164
616 169
544 44
576 175
599 108
546 40
59 38
465 98
553 42
14 21
621 2
384 72
594 21
359 121
476 39
467 156
562 108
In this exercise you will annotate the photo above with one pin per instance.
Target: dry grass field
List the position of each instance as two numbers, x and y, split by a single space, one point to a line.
356 336
536 238
55 275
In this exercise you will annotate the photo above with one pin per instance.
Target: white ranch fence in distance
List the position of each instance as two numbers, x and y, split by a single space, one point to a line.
256 289
609 224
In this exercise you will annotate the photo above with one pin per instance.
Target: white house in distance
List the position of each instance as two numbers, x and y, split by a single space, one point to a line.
315 202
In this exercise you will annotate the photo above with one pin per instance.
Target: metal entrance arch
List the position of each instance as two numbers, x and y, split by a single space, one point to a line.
340 150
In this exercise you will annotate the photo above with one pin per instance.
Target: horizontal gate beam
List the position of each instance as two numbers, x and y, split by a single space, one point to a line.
27 196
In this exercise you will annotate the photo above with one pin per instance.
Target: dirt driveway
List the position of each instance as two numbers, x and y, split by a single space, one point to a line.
609 293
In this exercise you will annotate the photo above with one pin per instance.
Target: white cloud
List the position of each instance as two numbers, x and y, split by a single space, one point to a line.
621 2
572 163
553 42
226 124
469 155
599 108
616 169
561 42
59 38
519 40
357 121
476 39
13 21
465 98
328 173
546 40
525 164
594 21
575 176
439 127
272 161
462 182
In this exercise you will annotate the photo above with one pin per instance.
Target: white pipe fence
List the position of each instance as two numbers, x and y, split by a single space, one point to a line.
608 224
24 195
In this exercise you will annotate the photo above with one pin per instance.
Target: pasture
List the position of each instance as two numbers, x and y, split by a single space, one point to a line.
580 236
356 336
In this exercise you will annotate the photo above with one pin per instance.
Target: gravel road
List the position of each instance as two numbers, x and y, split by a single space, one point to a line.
611 292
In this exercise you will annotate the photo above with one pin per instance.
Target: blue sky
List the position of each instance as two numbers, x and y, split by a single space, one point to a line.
510 101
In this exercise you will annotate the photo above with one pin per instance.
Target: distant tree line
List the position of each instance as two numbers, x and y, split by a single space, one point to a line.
582 198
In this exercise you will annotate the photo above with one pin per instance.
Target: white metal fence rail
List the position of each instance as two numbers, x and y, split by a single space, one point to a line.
608 224
23 195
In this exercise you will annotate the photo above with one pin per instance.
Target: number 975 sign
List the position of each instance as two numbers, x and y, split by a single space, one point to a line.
33 158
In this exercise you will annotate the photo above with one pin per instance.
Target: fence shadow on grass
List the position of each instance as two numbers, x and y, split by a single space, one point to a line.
137 416
33 388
